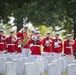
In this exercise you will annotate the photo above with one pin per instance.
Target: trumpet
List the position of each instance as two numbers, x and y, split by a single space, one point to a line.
34 38
47 44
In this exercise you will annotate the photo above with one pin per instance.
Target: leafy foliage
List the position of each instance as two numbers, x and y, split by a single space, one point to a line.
41 12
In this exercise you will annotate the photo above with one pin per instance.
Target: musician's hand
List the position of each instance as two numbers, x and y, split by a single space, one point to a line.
31 45
5 51
56 46
16 52
59 42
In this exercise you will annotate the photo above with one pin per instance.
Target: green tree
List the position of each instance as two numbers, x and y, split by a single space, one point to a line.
41 12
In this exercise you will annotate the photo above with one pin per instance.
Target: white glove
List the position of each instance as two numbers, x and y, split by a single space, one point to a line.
56 44
19 45
31 45
50 40
47 42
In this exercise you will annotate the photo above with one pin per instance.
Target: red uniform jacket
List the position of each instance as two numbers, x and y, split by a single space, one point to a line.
22 35
11 44
50 47
27 45
74 46
57 45
19 49
67 49
35 47
2 43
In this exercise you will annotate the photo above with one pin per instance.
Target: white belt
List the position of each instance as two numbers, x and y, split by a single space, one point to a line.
36 45
56 46
68 47
11 44
1 42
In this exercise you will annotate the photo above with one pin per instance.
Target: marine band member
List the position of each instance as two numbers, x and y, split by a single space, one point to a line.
2 42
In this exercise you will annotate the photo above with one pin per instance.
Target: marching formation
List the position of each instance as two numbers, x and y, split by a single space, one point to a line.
32 44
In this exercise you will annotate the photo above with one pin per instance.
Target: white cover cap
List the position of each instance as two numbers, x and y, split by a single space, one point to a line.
1 30
48 32
37 32
25 26
57 33
69 35
11 31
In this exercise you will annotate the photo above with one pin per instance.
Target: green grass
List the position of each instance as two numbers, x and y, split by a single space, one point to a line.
62 74
65 73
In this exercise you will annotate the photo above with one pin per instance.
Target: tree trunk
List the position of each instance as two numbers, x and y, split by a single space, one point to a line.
74 29
19 27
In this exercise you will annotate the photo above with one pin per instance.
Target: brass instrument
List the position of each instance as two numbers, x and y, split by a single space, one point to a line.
34 38
25 41
48 43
